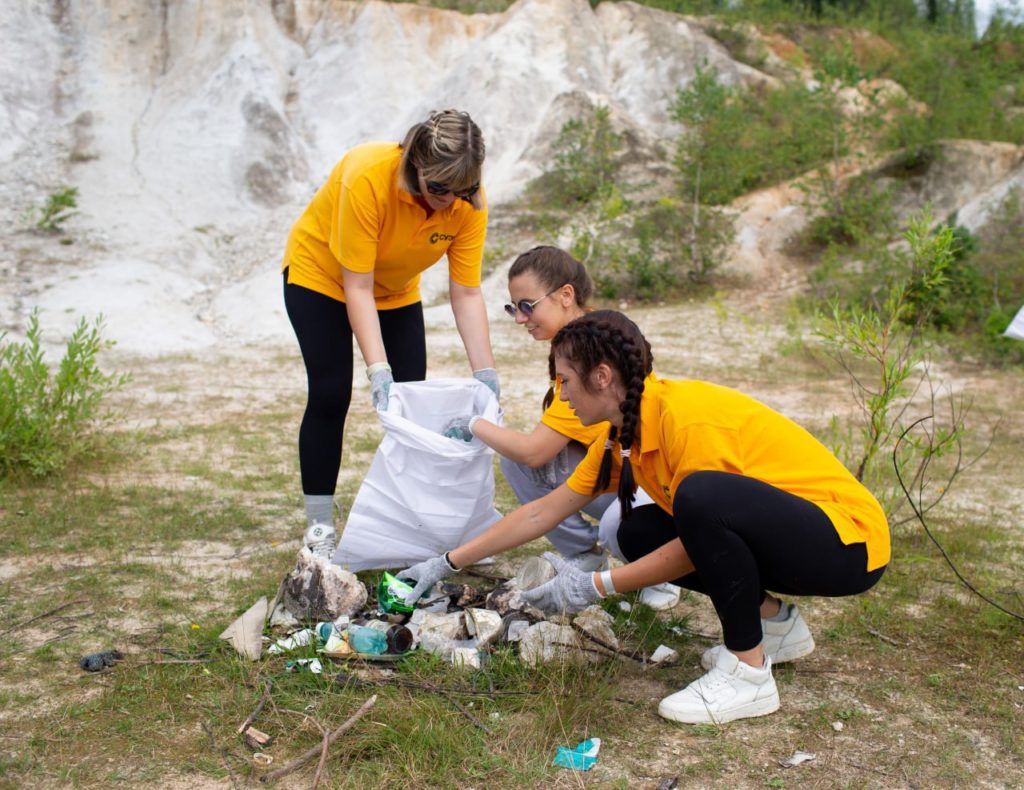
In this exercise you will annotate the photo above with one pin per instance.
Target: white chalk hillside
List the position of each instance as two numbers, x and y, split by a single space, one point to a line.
196 132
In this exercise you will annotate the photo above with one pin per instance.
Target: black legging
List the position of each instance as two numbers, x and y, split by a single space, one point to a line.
325 339
745 537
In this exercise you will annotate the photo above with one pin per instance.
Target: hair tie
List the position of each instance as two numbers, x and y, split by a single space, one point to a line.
608 444
624 453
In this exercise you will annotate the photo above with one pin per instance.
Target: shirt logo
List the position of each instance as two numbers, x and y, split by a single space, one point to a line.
436 237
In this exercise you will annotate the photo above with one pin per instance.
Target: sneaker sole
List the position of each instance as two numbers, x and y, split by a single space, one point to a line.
761 707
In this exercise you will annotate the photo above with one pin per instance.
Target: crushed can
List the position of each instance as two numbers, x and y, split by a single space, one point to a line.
391 594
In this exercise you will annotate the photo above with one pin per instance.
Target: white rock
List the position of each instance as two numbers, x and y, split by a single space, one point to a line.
483 624
543 642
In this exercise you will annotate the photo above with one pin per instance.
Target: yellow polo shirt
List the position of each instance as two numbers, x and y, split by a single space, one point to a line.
689 426
560 417
361 220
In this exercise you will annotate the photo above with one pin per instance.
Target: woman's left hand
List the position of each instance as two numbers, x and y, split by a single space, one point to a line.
572 590
489 376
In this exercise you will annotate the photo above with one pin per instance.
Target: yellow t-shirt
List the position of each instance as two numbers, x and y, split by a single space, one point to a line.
361 220
560 417
689 426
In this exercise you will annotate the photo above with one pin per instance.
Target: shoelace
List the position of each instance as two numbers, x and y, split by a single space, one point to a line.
322 548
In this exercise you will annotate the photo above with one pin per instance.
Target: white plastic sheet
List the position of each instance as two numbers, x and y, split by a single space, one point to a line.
425 493
1016 327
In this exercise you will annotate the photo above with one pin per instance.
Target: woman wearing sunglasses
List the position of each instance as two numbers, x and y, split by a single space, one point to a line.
549 288
351 266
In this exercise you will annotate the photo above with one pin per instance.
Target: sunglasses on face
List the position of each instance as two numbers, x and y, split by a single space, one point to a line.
525 307
438 189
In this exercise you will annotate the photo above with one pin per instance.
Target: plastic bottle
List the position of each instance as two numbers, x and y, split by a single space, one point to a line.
367 640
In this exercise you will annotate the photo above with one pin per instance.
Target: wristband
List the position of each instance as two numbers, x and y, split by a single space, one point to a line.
606 581
472 422
376 367
448 562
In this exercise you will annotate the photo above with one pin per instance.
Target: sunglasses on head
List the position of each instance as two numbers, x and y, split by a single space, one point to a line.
525 307
438 189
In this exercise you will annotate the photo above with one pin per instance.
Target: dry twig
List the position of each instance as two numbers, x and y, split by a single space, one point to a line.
309 755
221 752
259 707
41 616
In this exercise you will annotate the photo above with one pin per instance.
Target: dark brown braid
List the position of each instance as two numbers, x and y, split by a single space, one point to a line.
610 337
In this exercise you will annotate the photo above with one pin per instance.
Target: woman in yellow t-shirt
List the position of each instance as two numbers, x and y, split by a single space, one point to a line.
549 288
351 267
745 501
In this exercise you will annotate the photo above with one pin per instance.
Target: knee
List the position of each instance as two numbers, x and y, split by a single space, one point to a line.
330 396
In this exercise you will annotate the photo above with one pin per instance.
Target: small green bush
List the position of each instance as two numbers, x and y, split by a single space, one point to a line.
585 157
49 419
59 208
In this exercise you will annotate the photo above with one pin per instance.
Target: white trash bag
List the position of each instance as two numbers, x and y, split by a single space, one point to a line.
425 493
1016 327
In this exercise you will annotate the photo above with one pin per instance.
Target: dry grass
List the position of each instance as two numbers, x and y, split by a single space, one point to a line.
199 513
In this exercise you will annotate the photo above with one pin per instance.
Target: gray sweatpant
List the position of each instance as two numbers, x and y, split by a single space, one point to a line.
575 534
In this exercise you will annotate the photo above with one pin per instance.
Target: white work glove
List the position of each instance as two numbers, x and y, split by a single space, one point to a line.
489 376
379 374
460 428
572 590
548 475
426 574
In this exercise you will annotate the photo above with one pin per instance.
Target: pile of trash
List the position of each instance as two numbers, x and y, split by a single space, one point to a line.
458 622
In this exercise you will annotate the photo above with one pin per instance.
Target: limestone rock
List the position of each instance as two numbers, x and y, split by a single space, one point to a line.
319 590
546 641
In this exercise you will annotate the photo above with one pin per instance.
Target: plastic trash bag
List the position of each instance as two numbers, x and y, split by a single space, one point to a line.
425 493
1016 327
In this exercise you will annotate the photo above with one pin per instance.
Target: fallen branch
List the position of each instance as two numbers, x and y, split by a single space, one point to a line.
884 638
633 654
323 761
221 752
309 755
346 679
40 616
259 707
462 709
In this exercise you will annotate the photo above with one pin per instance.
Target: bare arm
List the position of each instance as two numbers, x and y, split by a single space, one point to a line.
471 320
662 565
522 525
362 315
533 449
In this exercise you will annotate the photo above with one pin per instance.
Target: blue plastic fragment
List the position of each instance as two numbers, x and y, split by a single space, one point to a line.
582 758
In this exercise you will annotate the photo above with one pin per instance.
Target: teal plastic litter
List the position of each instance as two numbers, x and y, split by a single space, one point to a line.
582 758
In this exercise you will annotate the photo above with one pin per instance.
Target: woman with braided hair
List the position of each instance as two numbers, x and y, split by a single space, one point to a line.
745 501
548 288
352 266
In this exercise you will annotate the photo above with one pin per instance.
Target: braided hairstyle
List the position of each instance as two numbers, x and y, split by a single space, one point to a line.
610 337
448 148
553 268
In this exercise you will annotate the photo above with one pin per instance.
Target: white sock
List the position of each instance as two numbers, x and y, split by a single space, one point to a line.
319 509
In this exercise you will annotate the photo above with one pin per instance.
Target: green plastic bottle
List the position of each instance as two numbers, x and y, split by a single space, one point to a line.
391 594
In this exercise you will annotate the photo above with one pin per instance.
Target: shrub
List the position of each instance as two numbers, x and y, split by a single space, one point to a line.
49 419
585 160
59 207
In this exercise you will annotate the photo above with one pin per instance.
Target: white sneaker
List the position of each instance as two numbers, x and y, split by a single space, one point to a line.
731 690
660 596
784 641
589 561
321 539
